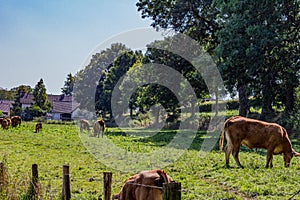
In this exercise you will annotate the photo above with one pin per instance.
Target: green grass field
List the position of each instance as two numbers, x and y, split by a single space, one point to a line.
202 175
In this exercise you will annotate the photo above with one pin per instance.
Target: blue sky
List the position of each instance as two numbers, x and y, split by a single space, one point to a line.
50 38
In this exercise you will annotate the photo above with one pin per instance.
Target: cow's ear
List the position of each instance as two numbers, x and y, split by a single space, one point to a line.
296 153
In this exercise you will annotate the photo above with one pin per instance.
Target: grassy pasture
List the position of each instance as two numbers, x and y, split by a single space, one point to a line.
202 175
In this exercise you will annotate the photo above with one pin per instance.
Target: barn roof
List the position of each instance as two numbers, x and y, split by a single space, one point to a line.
28 98
61 103
64 106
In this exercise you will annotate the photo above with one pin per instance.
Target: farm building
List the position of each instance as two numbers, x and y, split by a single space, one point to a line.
64 110
63 107
5 107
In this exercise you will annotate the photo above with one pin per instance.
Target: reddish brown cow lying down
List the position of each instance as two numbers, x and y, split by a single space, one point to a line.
138 187
256 134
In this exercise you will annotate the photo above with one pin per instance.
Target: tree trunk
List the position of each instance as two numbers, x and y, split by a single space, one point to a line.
290 99
267 99
243 99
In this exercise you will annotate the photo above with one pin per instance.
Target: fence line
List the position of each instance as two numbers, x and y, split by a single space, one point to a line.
34 189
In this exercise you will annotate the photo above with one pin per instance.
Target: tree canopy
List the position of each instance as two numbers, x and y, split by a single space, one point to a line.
69 85
254 43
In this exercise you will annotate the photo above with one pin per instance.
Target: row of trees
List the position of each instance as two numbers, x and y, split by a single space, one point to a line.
255 45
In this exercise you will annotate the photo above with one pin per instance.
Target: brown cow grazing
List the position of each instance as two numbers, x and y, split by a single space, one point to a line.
4 123
9 121
15 121
84 125
146 185
256 134
99 127
38 127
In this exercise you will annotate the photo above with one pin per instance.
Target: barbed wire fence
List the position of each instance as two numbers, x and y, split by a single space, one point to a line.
170 191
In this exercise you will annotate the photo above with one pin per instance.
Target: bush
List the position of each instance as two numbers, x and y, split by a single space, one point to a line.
33 111
230 105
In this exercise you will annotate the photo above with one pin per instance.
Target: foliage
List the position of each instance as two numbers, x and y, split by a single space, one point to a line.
41 97
6 94
1 113
110 78
20 90
41 105
251 50
254 43
32 112
195 18
69 85
87 79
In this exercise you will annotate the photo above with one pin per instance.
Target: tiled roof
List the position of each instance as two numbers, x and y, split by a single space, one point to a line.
27 98
64 106
52 98
61 103
5 106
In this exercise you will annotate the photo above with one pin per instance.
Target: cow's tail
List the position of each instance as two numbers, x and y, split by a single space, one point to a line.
226 124
222 139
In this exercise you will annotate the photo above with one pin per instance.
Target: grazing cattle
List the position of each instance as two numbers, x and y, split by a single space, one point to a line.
256 134
4 123
8 121
84 125
15 121
146 185
99 127
38 127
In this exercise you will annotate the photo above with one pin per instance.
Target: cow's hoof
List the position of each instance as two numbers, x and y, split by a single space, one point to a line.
227 166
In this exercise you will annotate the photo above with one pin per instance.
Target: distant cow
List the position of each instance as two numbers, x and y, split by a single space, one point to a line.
84 125
146 185
8 121
15 121
38 127
99 127
4 123
256 134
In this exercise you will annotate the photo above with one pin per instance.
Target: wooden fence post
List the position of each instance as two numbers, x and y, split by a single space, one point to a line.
66 188
107 179
2 177
172 191
34 187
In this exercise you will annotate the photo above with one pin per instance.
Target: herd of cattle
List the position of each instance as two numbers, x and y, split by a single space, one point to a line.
98 127
237 130
13 121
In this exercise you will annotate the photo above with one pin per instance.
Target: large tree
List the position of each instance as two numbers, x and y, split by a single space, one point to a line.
41 97
255 43
109 79
87 79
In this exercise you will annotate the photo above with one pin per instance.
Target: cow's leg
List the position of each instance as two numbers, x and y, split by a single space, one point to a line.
269 158
235 154
228 150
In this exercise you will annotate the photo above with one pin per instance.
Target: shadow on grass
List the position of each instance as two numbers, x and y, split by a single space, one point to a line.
165 136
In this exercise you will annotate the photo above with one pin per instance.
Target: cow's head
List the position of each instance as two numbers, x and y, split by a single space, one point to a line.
288 156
